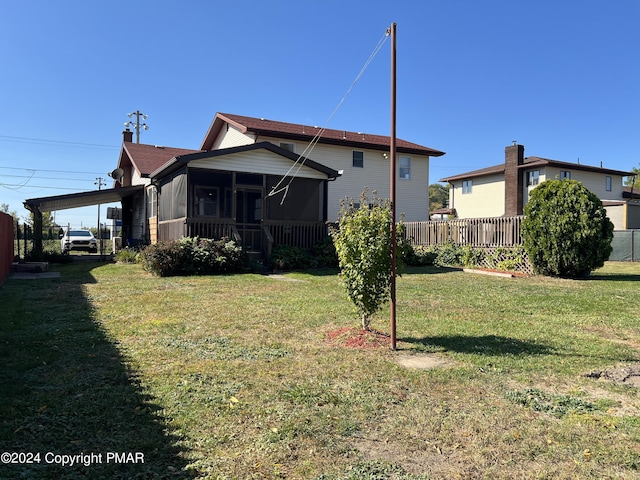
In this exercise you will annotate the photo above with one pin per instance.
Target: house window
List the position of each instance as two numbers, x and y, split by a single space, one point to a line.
152 202
358 159
608 183
466 186
405 168
287 146
565 175
207 201
533 177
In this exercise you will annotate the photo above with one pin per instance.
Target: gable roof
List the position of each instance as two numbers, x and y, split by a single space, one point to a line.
147 158
531 162
180 160
294 131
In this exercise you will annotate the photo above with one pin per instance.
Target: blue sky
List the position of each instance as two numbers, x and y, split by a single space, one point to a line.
560 77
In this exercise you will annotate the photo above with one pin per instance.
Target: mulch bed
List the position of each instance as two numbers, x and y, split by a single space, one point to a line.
354 337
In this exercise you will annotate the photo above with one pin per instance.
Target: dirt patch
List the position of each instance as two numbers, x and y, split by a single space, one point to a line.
628 375
277 276
422 361
353 337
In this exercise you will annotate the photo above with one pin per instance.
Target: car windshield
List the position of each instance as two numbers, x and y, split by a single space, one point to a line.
79 233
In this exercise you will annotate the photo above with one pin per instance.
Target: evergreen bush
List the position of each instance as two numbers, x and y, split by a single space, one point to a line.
566 231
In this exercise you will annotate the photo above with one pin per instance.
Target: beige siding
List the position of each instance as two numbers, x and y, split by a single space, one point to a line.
594 181
412 196
256 162
136 179
232 137
616 214
485 200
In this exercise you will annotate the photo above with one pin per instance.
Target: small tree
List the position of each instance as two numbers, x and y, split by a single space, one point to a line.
566 231
363 245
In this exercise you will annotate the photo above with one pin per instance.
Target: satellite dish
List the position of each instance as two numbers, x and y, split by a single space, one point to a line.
117 174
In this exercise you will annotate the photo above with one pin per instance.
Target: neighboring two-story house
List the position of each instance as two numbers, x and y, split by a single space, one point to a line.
258 181
503 189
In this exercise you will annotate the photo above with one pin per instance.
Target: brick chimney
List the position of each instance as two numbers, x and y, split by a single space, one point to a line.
513 181
127 135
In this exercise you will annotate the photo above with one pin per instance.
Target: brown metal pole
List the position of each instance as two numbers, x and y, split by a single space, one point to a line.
392 179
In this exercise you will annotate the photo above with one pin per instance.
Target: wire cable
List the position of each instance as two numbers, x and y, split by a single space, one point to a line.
299 163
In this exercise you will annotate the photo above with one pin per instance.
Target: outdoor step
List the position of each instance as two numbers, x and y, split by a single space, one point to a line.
29 267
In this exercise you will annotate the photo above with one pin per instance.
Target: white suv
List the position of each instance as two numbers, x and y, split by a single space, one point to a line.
78 240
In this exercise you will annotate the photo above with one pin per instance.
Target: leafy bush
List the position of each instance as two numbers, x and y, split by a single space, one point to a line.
419 256
506 258
127 255
325 253
286 257
471 257
194 256
362 241
566 231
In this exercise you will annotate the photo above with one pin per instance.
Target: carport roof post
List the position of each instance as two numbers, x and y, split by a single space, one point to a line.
36 253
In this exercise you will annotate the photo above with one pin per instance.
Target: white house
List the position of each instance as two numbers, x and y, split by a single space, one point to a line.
361 158
225 187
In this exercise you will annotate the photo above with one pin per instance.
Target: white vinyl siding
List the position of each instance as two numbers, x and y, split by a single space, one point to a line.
256 161
232 137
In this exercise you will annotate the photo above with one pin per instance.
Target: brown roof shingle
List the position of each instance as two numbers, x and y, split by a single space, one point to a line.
148 158
262 126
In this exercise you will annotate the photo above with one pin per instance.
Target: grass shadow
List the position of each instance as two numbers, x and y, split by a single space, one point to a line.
66 389
615 277
482 345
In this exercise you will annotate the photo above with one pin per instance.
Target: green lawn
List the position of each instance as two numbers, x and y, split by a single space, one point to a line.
233 377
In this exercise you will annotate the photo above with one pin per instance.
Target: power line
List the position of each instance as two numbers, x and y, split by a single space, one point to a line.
47 178
51 171
44 141
9 186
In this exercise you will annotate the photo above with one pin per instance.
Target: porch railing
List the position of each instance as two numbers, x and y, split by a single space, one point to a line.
477 232
299 234
211 228
172 229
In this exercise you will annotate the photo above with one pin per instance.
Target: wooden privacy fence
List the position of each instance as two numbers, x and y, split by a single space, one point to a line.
476 232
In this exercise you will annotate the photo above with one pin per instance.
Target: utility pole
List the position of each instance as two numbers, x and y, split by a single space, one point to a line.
137 126
99 182
392 180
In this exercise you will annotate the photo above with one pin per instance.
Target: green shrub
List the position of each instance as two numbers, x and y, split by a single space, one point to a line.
471 257
325 253
419 256
127 255
194 256
448 254
566 231
286 257
506 258
363 244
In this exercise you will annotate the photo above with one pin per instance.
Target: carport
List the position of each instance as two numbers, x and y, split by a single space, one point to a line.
74 200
